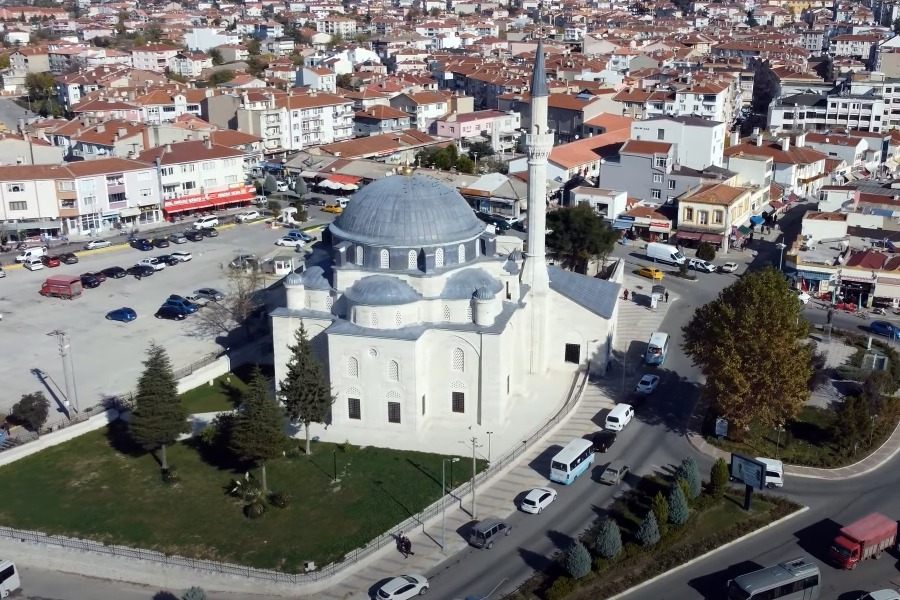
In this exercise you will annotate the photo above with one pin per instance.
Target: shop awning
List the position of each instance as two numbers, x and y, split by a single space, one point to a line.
658 229
756 220
712 238
688 235
27 225
743 230
237 195
129 212
308 174
622 224
776 204
147 203
342 182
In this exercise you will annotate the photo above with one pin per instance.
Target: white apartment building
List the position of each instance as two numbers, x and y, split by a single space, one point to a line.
317 118
717 102
204 38
259 115
153 57
109 191
699 143
342 26
28 196
190 64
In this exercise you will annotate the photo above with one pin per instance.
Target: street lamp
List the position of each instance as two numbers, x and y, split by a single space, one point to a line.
444 493
65 353
489 434
781 246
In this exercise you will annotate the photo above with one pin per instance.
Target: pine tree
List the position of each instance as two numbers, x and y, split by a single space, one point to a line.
678 507
660 509
691 474
304 391
648 533
158 417
718 478
194 593
258 432
577 560
609 539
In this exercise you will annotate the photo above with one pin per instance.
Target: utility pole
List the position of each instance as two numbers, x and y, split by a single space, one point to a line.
475 446
65 348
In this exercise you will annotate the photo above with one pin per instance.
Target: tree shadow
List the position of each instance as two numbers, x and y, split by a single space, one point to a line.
379 485
537 562
426 472
120 440
559 539
216 455
712 586
164 595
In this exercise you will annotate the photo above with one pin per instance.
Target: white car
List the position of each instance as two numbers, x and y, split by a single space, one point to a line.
157 264
701 265
94 244
289 241
647 384
537 500
260 200
881 595
402 588
203 222
33 264
803 297
2 273
182 256
729 267
282 186
250 215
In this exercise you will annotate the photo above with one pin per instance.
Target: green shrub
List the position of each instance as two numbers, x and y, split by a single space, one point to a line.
280 499
577 560
348 448
609 539
660 510
255 509
706 252
718 478
31 411
562 587
648 532
194 593
170 476
685 488
678 507
247 488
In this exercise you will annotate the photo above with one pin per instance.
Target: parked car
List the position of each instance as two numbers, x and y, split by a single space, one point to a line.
68 258
154 262
183 304
50 261
499 223
142 244
282 186
315 201
250 215
94 244
182 256
204 222
884 328
193 234
98 275
289 241
168 259
160 242
115 272
260 200
537 500
178 238
33 264
803 297
141 271
2 273
210 294
89 281
603 439
403 588
647 384
124 314
701 265
209 232
301 235
245 262
333 208
614 474
729 267
198 300
650 273
170 312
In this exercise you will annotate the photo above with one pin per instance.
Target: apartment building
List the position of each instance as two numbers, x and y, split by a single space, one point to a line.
699 143
797 168
861 46
258 114
424 108
29 197
341 26
202 39
27 149
162 106
315 118
500 129
29 60
378 119
317 78
711 212
198 175
717 102
190 64
153 57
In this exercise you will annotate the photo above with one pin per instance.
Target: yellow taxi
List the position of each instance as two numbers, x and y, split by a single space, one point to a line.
333 208
650 273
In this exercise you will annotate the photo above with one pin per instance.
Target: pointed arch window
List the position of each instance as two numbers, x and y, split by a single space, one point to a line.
398 319
384 259
461 254
439 257
459 359
394 370
469 316
374 319
412 261
352 367
359 255
446 313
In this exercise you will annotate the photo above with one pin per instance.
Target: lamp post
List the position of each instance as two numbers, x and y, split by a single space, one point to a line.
65 353
475 445
781 246
489 434
444 493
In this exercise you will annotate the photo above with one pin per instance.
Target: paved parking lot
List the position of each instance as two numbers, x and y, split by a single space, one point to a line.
107 355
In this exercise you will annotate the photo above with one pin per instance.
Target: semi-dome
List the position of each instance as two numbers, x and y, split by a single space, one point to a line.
314 279
463 284
402 210
484 293
381 290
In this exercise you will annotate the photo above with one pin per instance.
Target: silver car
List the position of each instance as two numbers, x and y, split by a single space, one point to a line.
614 474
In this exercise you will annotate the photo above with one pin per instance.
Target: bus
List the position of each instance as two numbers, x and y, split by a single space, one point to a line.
657 348
572 461
796 579
9 578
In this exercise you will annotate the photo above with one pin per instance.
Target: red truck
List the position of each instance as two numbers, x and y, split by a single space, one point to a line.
62 286
866 538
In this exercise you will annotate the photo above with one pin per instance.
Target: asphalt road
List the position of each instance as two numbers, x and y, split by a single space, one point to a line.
10 113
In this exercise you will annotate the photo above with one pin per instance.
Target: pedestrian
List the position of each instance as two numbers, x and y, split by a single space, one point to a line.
634 297
401 545
666 296
407 545
625 294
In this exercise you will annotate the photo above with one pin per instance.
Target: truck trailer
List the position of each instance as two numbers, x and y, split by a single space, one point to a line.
865 538
62 286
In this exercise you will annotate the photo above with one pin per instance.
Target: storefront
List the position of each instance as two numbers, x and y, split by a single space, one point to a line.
240 195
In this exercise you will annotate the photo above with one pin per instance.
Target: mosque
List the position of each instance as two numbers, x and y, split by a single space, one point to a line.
426 322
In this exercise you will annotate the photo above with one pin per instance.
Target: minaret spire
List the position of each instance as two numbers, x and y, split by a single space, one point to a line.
538 143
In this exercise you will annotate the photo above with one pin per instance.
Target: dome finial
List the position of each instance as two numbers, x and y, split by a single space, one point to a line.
406 169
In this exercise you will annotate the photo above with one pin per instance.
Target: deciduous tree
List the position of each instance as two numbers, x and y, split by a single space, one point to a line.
258 432
750 345
194 593
245 296
31 411
158 418
216 55
578 235
304 391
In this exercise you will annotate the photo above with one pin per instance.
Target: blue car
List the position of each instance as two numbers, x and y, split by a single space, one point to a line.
125 314
142 244
884 328
181 304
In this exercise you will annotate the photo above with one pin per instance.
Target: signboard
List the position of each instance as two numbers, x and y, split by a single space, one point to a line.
625 218
721 427
661 224
236 194
748 470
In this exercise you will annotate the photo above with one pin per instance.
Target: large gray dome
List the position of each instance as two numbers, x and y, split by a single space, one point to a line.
414 211
382 290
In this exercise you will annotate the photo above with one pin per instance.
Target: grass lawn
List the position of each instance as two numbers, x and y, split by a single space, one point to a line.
223 394
87 488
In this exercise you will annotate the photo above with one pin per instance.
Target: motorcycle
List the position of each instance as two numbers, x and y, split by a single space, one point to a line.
879 311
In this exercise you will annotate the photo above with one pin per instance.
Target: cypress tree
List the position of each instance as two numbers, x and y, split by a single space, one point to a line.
577 560
648 533
691 474
258 432
678 507
660 509
609 539
718 478
304 391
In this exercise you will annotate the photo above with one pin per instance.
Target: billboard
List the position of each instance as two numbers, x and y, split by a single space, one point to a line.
748 470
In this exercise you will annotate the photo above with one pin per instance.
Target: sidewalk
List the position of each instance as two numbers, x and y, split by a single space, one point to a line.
635 323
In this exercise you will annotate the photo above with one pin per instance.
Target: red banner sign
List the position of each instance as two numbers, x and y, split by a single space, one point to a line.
233 195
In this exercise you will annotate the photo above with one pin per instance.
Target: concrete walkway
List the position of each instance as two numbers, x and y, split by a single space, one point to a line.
635 323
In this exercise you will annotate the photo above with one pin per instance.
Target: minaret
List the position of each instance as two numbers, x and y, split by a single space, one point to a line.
538 143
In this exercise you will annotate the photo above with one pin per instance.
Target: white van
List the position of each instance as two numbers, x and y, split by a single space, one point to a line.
665 253
29 253
206 222
774 472
619 417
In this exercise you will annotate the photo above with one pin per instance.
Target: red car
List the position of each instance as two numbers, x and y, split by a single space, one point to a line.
50 261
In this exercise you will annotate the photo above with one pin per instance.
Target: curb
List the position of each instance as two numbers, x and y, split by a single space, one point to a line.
710 553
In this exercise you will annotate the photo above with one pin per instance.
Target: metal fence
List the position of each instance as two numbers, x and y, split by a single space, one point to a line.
388 538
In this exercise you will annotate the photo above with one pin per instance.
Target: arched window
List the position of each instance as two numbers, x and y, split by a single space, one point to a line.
359 255
394 370
469 316
412 261
384 259
446 313
398 320
461 254
439 257
459 360
329 302
352 367
374 319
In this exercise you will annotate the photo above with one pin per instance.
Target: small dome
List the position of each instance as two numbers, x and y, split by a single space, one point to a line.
483 293
382 290
462 285
515 255
511 267
314 279
404 211
293 280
